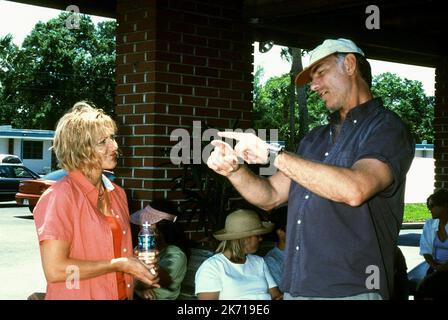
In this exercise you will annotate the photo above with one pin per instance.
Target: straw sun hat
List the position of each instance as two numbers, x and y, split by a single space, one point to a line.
241 224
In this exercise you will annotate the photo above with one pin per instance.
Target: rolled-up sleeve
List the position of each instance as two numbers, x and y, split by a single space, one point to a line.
53 215
386 133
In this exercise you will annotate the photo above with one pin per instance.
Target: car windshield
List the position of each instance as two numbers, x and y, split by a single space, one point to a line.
11 159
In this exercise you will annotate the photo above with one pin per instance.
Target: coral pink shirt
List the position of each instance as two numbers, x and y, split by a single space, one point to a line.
67 211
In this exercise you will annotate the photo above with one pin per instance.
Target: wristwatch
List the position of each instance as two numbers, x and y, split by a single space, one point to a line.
275 149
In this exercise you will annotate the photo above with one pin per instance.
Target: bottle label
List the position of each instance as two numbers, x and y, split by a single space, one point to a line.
146 242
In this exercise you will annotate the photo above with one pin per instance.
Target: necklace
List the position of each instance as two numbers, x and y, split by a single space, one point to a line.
101 194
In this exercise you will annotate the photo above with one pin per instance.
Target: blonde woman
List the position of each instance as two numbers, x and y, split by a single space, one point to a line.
82 221
235 272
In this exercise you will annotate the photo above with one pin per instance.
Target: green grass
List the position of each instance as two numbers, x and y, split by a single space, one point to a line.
416 212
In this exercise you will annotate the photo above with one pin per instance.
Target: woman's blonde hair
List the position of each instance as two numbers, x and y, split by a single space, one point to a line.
235 247
77 134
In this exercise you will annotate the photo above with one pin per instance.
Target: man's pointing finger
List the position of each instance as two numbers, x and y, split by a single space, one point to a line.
232 135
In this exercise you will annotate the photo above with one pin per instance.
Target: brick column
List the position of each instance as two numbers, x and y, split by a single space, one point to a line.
441 125
177 62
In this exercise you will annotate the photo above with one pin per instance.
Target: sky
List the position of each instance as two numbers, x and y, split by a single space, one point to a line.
19 19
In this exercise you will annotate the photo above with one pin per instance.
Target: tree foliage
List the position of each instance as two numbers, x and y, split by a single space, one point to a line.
55 67
8 52
271 106
405 97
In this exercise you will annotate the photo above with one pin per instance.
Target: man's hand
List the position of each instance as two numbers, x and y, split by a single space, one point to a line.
223 159
250 148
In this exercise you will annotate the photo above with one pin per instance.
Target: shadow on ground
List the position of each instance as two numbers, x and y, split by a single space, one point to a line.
8 205
28 217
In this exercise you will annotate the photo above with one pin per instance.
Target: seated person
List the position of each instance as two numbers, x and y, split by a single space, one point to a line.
274 258
434 248
235 272
173 250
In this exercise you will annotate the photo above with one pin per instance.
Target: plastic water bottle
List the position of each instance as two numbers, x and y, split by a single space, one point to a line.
146 241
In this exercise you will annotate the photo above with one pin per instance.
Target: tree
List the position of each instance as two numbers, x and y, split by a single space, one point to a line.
403 96
297 96
272 105
58 66
8 52
407 98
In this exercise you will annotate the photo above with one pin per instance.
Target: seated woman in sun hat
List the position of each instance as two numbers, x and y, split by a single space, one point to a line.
235 272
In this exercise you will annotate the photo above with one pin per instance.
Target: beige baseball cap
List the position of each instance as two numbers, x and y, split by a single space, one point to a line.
322 51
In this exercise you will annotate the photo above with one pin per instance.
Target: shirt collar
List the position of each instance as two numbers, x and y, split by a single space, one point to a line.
89 190
359 112
107 183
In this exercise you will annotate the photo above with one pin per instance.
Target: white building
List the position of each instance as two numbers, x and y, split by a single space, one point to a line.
420 177
30 145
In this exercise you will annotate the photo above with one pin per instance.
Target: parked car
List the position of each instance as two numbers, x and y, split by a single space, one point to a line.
10 177
10 158
30 190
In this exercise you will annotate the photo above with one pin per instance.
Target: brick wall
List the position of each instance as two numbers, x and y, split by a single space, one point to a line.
441 125
177 61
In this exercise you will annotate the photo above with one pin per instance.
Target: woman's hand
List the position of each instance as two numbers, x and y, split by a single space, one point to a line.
138 269
441 267
150 259
275 293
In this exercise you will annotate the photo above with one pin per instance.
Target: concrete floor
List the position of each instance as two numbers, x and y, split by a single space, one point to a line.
409 242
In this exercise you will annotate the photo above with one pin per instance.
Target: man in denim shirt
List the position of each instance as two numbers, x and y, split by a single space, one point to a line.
344 187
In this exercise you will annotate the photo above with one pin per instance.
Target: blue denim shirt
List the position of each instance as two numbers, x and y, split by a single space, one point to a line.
274 260
331 245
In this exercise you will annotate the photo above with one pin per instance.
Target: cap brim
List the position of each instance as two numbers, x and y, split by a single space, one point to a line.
304 76
223 235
